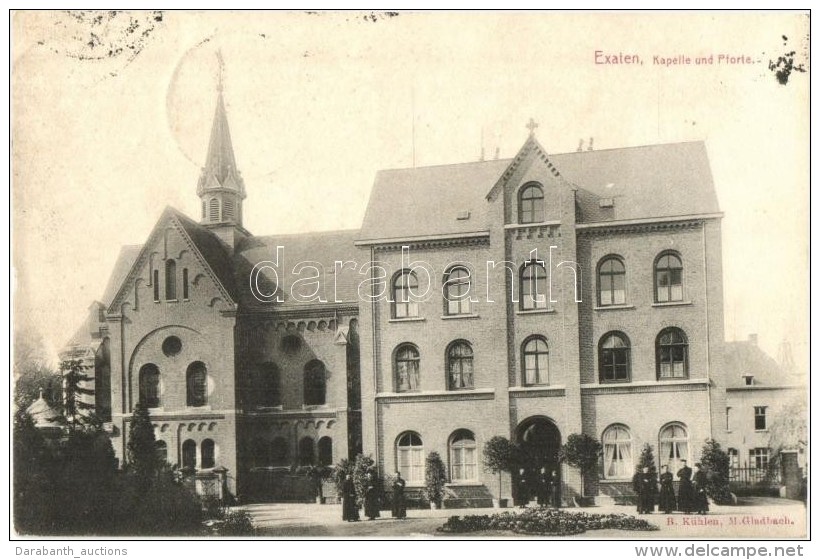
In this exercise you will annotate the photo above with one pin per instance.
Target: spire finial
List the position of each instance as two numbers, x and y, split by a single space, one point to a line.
220 71
532 125
41 392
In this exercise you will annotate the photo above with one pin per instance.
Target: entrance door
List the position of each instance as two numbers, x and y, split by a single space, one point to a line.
539 440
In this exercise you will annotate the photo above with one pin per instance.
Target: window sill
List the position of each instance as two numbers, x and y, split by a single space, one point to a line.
462 483
533 224
535 311
672 303
406 320
612 307
190 408
462 316
762 431
171 301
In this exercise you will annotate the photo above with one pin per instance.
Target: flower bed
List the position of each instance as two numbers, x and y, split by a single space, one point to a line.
543 521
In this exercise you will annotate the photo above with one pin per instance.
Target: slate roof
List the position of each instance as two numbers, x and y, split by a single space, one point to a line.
125 261
663 180
318 247
746 358
212 250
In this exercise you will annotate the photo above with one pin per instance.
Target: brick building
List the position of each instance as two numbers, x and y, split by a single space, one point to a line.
531 298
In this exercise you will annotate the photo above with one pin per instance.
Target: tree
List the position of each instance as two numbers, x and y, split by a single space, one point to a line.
363 465
647 459
142 446
583 452
33 472
789 430
715 461
500 455
435 476
33 372
75 382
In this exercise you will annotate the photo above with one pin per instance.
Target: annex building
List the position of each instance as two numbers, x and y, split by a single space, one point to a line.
531 298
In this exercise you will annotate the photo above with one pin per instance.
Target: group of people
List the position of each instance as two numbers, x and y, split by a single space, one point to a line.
691 490
544 485
370 500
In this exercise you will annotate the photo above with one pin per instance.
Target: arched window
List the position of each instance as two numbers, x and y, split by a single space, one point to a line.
531 204
189 454
617 452
410 457
404 283
227 209
457 291
613 358
611 282
170 279
668 278
156 285
197 384
325 451
185 292
533 286
463 457
203 209
460 365
149 385
260 453
213 209
407 368
535 361
279 452
306 454
674 445
315 382
734 460
208 454
266 389
672 354
161 449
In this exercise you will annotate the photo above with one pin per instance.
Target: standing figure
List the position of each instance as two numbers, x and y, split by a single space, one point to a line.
350 510
666 501
542 492
555 489
521 496
701 504
645 487
686 493
371 497
399 508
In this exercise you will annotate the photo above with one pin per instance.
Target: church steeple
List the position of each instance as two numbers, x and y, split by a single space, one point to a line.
220 186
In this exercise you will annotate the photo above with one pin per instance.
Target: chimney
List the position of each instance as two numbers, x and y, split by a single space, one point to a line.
580 145
497 151
753 339
589 148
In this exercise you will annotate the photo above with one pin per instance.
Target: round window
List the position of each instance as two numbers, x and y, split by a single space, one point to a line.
171 346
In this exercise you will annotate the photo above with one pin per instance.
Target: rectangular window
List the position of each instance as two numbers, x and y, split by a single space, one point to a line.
759 458
184 283
411 464
728 418
760 418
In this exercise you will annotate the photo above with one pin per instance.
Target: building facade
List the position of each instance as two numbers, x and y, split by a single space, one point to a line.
529 298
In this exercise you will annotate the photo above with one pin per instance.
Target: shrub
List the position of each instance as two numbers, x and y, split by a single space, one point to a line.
581 451
237 523
435 476
544 521
715 462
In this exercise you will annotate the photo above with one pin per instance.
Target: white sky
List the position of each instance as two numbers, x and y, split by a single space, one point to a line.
318 103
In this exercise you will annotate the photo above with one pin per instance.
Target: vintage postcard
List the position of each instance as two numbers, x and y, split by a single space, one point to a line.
410 274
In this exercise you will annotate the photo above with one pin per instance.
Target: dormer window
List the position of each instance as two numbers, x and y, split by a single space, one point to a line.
748 380
531 204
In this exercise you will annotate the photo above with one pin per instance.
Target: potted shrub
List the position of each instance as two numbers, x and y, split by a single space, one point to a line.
583 452
499 456
317 474
435 476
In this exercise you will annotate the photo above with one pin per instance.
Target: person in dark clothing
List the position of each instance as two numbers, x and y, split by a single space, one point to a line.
645 487
701 504
399 508
371 497
686 492
555 489
666 500
350 510
543 487
521 489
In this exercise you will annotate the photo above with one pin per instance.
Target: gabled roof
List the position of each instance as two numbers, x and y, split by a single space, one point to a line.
125 261
324 247
658 181
205 246
747 358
